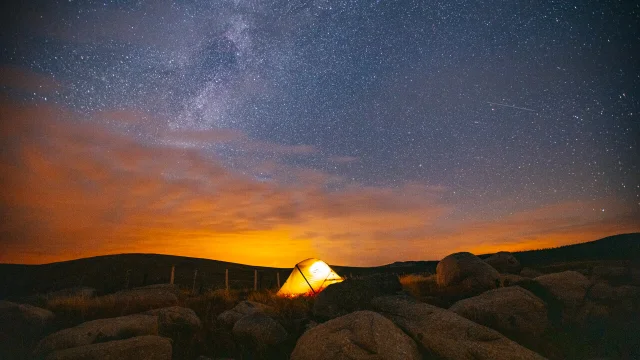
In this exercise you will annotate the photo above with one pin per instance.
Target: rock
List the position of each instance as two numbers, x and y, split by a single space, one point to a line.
513 311
507 280
593 313
75 292
468 272
96 331
613 274
299 326
582 271
602 292
569 287
24 320
359 335
504 262
634 275
444 334
136 348
618 298
21 326
243 308
530 273
176 319
146 298
259 330
354 294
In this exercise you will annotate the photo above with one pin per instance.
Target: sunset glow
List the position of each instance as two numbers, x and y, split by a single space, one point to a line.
261 136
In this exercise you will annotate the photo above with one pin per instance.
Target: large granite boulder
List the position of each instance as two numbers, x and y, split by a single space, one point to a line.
25 320
614 274
569 288
136 348
83 292
21 326
259 331
507 280
467 272
354 294
359 335
241 310
530 273
513 311
146 298
504 262
97 331
444 334
176 319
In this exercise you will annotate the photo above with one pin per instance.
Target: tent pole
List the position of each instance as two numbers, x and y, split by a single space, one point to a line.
305 279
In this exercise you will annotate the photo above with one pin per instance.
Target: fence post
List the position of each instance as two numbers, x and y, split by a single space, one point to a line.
127 278
255 280
278 278
195 274
173 272
226 279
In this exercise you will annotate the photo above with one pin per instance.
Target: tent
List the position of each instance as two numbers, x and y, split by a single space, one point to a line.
309 276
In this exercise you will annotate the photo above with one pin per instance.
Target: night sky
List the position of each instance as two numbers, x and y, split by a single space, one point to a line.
358 132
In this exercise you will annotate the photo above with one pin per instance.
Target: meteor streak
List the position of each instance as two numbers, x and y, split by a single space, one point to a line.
511 106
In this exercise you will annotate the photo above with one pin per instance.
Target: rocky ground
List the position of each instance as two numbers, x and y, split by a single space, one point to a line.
469 309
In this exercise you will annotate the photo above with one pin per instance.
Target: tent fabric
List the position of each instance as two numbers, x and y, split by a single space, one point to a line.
309 276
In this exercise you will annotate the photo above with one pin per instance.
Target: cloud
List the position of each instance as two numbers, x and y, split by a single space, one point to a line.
75 188
23 79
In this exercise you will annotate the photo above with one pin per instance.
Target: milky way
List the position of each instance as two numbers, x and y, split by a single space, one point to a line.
372 98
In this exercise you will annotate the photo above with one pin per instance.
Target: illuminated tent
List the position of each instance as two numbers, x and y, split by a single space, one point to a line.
309 277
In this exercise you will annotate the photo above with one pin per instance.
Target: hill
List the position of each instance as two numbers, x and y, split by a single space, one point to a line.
616 247
111 273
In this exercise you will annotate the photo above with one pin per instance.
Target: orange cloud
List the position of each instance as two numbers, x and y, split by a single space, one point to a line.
23 79
74 188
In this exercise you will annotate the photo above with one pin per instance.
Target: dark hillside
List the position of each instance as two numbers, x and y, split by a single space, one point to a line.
111 273
616 247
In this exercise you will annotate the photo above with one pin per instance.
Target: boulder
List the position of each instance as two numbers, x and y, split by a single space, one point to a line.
444 334
359 335
176 319
259 331
602 292
513 311
21 326
613 274
96 331
569 288
504 262
354 294
530 273
23 320
75 292
634 275
146 298
136 348
468 272
243 308
593 314
507 280
619 298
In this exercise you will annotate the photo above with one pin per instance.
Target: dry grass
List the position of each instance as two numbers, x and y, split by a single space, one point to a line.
420 285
